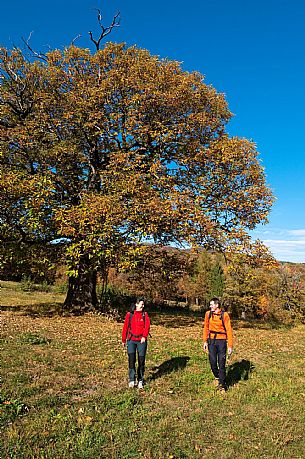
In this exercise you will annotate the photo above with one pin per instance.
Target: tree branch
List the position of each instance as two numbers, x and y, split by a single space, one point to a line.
74 39
105 30
41 56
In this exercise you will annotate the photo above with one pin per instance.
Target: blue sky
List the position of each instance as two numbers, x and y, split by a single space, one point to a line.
253 51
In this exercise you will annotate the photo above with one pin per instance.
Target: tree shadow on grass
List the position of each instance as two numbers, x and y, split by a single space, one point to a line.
174 364
37 310
239 371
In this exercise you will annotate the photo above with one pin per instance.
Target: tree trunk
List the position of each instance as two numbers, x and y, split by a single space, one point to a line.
81 295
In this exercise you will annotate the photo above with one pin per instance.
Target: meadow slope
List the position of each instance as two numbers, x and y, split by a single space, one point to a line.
64 391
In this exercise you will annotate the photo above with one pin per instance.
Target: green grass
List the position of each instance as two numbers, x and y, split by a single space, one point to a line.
64 392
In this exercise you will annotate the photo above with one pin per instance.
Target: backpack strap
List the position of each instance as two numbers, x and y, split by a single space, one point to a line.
222 320
144 314
129 324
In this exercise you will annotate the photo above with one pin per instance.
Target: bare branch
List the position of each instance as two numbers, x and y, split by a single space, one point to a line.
41 56
99 17
74 39
105 30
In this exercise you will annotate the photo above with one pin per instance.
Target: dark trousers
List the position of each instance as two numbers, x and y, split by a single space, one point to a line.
134 347
217 357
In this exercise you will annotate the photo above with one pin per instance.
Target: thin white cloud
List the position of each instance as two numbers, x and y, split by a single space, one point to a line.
297 232
284 244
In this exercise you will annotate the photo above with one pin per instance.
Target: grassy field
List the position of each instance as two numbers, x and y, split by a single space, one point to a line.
64 389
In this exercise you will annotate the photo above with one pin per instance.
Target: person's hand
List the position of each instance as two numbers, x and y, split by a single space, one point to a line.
230 350
205 347
124 345
143 340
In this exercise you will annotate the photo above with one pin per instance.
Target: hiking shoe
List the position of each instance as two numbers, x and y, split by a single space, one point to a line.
140 385
131 384
221 388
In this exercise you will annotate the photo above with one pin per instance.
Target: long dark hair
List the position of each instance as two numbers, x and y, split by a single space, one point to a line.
137 300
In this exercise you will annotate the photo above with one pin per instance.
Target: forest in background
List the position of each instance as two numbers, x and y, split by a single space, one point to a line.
249 287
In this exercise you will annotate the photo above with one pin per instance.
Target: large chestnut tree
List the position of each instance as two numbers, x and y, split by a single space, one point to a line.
107 150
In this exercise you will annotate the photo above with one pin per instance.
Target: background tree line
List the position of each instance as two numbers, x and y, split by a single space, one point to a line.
170 277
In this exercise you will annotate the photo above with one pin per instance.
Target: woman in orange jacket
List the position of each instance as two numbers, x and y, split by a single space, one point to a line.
217 339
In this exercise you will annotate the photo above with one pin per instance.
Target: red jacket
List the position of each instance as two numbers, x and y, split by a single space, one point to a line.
139 327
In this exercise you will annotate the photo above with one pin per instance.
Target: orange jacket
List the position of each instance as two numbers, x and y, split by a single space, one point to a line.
215 324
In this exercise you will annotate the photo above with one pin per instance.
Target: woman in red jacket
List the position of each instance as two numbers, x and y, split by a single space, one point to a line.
135 332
